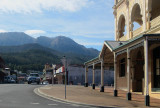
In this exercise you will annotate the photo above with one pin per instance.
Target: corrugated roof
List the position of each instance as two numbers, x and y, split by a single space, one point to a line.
131 40
115 44
96 58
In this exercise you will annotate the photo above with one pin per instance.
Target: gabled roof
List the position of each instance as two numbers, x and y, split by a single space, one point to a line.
114 44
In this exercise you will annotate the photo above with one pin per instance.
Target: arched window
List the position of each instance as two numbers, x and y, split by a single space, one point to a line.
136 17
121 26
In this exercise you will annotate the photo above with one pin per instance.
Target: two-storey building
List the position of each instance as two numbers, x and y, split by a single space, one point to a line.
135 52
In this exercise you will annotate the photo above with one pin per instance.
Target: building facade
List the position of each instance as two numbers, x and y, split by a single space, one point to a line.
76 76
48 73
135 53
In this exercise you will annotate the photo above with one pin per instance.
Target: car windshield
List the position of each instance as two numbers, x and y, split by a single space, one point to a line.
35 75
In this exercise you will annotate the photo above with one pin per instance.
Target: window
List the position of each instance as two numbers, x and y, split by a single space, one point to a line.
122 68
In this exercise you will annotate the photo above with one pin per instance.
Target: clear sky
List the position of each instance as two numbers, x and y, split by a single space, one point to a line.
88 22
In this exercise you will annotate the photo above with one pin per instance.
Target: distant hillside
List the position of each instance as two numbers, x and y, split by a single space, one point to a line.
67 45
61 43
26 47
29 60
34 56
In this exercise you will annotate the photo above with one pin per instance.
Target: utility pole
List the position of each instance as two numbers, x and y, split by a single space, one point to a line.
66 64
53 66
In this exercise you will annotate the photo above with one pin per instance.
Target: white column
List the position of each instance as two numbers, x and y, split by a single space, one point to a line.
147 97
128 73
93 82
102 74
115 72
86 76
115 76
128 70
146 65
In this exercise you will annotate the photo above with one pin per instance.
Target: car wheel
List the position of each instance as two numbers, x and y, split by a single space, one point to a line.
29 82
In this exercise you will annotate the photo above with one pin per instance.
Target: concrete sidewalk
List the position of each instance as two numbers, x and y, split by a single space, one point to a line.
84 95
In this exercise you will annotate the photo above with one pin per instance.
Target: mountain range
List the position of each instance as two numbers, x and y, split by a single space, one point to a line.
23 52
60 43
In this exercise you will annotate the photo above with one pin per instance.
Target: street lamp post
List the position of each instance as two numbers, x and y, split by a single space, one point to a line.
66 64
64 61
53 66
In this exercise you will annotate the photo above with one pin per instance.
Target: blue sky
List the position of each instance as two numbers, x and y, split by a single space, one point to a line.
88 22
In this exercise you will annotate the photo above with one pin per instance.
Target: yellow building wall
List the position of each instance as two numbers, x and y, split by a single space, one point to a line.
121 81
122 9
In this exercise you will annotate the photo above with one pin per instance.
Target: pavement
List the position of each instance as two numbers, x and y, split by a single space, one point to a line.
87 96
25 96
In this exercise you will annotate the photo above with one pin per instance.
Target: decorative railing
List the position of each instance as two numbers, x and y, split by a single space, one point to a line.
137 31
155 21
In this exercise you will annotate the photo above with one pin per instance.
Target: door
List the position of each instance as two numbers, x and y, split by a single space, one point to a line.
156 66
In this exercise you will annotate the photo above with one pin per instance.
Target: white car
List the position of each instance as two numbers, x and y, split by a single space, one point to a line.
33 77
9 79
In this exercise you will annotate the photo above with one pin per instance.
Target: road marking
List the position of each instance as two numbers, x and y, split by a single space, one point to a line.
75 105
34 103
53 104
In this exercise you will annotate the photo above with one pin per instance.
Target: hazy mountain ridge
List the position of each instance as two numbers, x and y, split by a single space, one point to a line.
60 43
15 38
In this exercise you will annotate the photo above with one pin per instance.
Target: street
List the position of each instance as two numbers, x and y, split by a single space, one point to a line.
23 96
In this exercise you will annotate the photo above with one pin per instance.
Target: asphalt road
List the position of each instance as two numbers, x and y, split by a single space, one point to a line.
23 96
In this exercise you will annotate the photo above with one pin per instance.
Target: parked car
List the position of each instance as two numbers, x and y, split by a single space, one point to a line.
33 78
9 79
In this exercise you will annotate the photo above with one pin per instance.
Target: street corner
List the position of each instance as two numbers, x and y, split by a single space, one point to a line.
39 92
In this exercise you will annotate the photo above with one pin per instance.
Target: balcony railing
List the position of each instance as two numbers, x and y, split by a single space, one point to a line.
137 31
155 22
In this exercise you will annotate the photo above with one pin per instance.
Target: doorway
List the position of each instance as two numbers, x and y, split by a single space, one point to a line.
138 72
156 67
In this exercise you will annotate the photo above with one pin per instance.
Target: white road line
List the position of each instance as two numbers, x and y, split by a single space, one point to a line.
75 105
34 103
53 104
